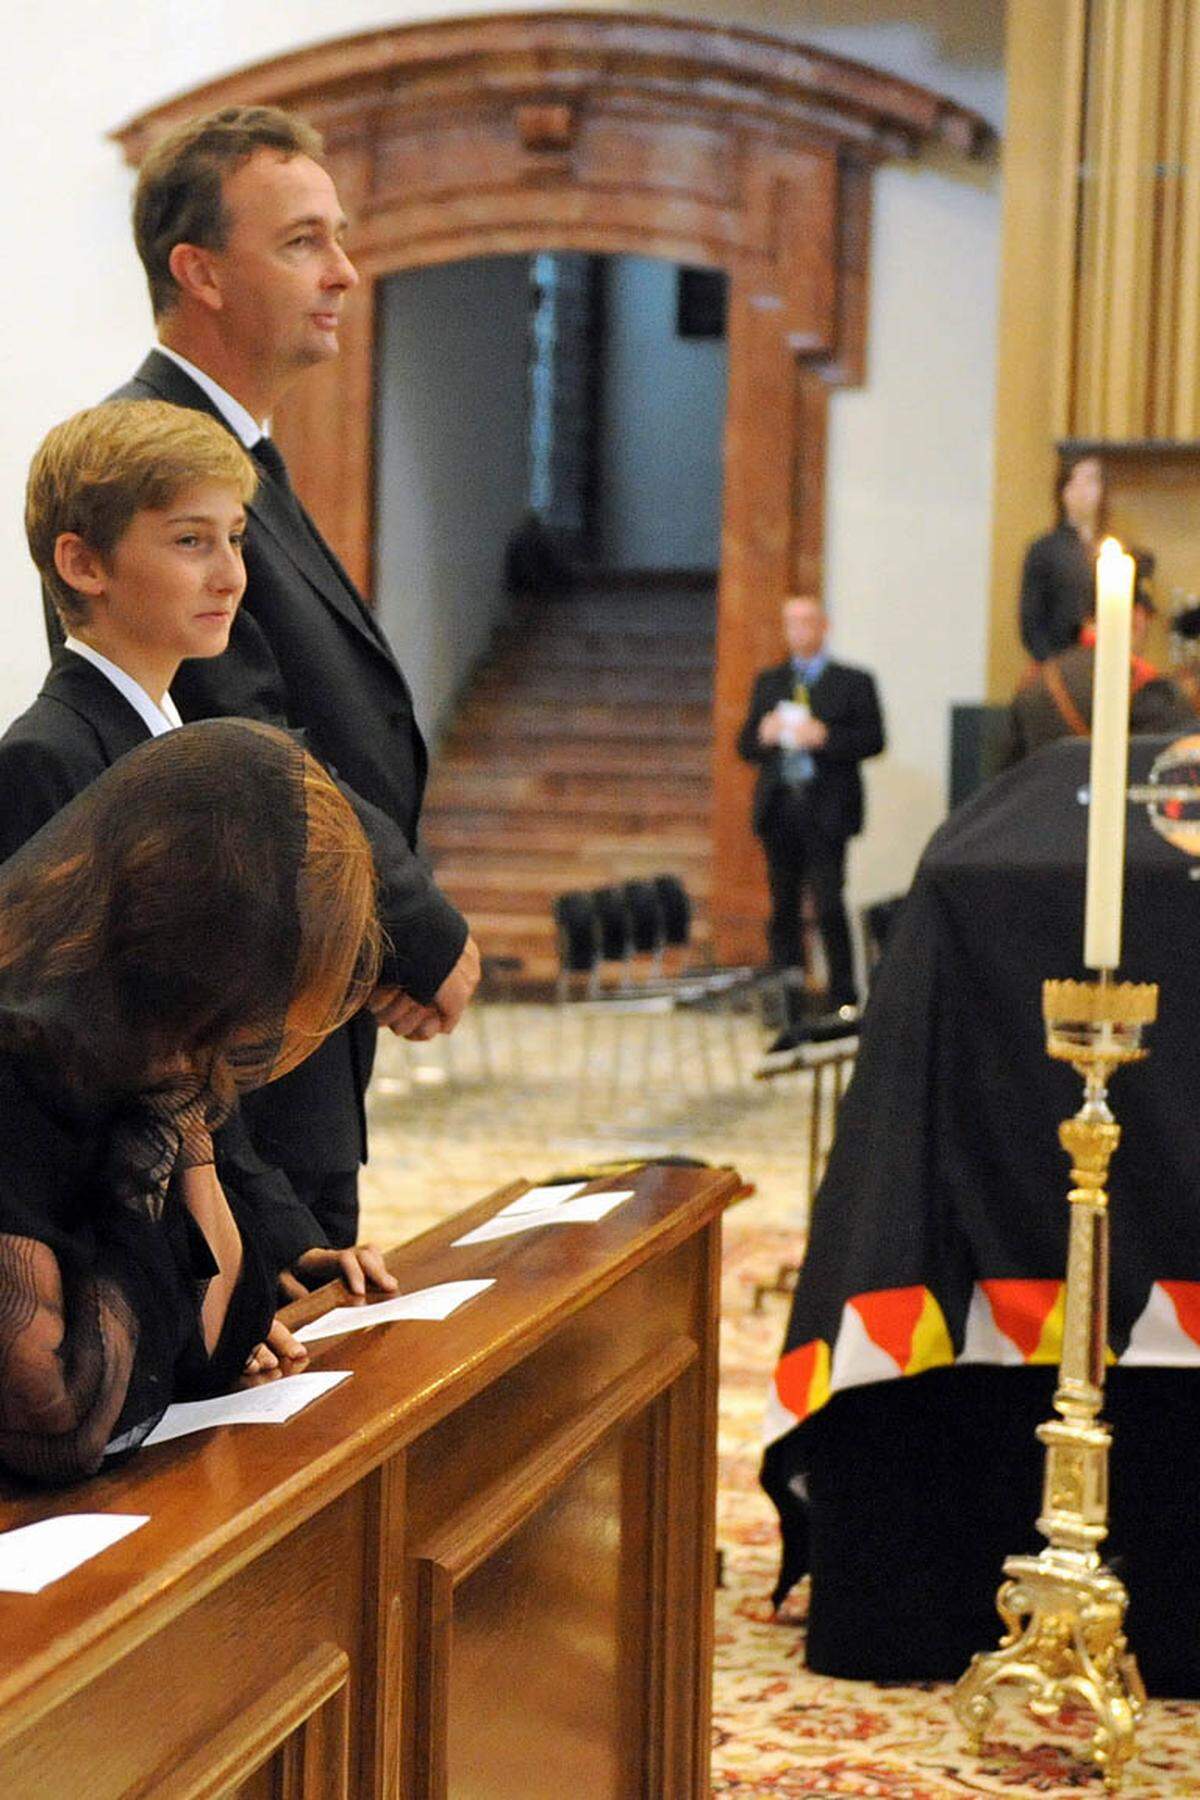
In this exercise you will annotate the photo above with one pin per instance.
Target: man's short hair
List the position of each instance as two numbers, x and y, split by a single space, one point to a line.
93 472
179 193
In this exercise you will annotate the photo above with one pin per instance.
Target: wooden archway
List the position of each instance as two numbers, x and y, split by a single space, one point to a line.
617 133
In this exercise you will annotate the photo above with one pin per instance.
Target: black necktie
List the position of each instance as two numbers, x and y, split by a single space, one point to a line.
266 454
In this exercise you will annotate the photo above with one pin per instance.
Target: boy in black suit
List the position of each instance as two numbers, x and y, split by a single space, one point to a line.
135 516
810 724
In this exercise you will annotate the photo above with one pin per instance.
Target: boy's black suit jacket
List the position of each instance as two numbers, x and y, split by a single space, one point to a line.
78 726
845 701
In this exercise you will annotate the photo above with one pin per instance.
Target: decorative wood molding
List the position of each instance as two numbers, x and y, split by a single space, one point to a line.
613 132
1131 449
718 68
545 127
479 1531
304 1715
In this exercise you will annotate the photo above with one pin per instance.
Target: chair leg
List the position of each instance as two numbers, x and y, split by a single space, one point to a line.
618 1044
814 1129
732 1045
487 1064
700 1019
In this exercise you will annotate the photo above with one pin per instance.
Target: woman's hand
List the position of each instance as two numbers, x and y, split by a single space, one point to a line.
358 1268
281 1346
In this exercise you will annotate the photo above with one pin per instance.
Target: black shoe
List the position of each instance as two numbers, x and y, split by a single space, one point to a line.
839 1021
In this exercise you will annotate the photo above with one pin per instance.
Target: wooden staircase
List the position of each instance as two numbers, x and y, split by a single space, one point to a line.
579 757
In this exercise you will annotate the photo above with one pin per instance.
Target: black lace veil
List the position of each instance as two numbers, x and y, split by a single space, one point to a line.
192 923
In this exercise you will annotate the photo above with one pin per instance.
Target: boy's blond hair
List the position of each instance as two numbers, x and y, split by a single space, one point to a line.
92 473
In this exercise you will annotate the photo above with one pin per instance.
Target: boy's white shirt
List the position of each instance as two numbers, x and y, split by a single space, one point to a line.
157 719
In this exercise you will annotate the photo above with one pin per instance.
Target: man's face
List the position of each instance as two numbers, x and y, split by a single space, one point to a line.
1083 491
804 626
282 274
172 583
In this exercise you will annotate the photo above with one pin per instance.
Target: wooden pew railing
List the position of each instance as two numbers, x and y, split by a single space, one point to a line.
481 1569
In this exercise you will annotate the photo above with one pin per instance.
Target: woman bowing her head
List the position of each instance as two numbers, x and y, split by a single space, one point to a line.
195 923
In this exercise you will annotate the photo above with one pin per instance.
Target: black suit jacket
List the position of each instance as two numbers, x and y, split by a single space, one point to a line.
1058 591
78 726
845 701
306 653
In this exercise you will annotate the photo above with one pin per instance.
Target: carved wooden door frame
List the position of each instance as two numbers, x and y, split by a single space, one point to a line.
616 133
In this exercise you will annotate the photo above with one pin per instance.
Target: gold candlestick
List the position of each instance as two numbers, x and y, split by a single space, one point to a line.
1063 1610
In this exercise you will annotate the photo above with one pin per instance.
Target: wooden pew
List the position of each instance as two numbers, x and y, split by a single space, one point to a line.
480 1568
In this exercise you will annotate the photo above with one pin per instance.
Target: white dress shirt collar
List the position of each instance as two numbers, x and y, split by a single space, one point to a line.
247 427
157 719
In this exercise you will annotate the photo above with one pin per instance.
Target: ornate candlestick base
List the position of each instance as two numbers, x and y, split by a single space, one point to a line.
1064 1611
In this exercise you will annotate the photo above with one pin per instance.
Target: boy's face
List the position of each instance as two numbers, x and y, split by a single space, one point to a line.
170 587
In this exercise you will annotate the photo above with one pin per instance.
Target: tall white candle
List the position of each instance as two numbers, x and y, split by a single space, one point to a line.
1110 757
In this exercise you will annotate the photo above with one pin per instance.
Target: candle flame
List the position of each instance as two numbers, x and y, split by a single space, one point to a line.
1111 546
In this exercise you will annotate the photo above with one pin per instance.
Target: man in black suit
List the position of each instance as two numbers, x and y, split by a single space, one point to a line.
239 229
811 722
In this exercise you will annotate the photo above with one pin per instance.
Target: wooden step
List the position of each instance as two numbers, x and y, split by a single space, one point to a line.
603 650
521 834
614 685
515 717
621 804
582 756
633 613
582 865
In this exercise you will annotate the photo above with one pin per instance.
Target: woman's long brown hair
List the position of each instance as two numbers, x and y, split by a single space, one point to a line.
208 903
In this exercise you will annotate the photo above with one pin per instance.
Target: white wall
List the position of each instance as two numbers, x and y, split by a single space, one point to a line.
663 413
907 544
451 464
79 321
909 498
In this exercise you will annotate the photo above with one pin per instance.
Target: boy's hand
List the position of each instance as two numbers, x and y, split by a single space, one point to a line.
359 1268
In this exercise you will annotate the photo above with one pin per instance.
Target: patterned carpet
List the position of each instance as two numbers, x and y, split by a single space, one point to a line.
506 1094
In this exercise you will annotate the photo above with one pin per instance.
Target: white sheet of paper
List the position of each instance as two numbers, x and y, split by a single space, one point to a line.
539 1198
425 1303
584 1210
791 717
271 1404
32 1556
